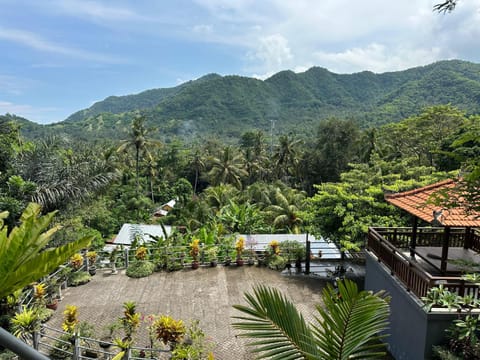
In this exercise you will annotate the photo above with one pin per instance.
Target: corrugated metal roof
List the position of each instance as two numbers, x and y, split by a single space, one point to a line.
128 232
416 202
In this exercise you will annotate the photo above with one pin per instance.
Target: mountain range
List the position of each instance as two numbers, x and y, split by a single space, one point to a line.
227 106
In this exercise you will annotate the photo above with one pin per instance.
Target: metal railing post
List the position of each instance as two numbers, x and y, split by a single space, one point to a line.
76 347
16 345
126 257
307 255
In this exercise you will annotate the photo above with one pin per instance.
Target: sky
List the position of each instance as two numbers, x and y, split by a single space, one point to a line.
61 56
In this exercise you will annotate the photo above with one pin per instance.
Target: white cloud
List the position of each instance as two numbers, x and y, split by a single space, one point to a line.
96 10
377 58
273 52
13 85
36 42
203 29
343 35
38 114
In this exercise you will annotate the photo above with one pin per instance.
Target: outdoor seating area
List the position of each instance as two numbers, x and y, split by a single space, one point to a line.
422 258
421 272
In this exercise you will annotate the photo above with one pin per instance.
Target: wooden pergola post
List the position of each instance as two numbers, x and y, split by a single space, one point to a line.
413 241
467 244
445 245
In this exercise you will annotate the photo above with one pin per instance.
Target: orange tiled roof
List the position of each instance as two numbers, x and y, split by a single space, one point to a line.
416 203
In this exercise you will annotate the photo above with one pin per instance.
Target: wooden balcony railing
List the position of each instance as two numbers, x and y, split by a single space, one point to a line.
389 245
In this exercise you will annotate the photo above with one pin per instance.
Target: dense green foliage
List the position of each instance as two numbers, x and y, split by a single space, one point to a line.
329 182
331 185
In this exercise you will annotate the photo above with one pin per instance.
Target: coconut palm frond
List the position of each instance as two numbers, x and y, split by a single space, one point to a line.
276 327
350 323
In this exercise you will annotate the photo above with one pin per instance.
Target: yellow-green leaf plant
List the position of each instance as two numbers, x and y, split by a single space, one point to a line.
24 255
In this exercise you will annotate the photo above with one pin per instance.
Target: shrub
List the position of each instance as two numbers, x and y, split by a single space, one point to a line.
79 278
139 269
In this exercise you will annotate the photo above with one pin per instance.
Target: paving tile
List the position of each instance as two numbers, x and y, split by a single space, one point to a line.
206 294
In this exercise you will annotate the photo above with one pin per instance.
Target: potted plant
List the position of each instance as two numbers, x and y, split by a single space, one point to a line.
51 295
169 330
295 251
251 242
212 254
107 339
239 247
76 260
194 252
25 323
92 258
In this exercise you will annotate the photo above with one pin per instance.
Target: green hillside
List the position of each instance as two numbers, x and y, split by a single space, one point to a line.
227 106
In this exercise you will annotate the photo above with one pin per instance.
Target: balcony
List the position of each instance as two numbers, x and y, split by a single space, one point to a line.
415 261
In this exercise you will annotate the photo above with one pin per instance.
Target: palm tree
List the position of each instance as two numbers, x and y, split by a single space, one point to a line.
23 257
227 169
197 163
138 140
252 144
347 328
219 196
286 158
285 211
61 174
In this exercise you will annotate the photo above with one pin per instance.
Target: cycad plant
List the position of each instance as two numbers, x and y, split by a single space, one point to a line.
348 326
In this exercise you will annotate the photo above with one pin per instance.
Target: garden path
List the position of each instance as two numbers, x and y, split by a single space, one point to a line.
206 294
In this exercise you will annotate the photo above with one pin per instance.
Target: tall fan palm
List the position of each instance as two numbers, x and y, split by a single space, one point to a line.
347 327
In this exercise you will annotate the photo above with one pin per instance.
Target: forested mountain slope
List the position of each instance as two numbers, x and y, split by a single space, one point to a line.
227 106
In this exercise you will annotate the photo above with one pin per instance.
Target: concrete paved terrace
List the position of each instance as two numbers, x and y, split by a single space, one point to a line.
206 294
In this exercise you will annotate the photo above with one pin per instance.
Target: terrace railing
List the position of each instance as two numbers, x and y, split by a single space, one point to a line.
389 245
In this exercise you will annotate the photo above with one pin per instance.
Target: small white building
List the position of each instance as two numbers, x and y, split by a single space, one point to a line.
144 233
